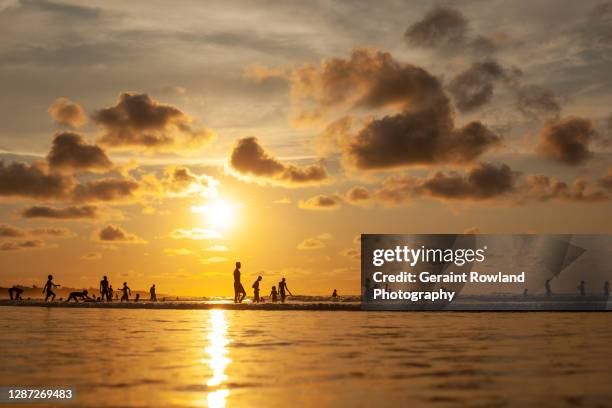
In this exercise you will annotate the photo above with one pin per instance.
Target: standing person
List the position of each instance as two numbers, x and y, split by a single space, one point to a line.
15 293
256 290
335 295
607 289
547 286
104 288
109 293
239 292
282 287
581 288
48 289
126 292
153 295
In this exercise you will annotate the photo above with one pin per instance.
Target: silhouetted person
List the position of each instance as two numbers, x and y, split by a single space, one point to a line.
78 295
525 292
547 287
239 292
109 293
15 293
48 288
581 288
607 289
274 294
137 297
126 292
255 286
283 289
153 295
335 295
104 288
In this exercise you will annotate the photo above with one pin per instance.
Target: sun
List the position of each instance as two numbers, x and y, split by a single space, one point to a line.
218 213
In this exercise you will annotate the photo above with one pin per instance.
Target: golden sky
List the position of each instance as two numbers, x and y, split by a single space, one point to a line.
160 143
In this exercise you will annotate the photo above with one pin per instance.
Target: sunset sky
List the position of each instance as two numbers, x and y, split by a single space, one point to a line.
159 142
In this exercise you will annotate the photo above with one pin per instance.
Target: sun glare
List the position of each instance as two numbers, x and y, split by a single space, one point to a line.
219 213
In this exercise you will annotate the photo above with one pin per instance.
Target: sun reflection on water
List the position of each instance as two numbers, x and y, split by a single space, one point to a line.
218 361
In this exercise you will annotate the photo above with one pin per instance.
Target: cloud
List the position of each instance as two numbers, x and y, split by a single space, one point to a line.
353 253
67 113
8 231
70 153
217 248
248 158
442 26
473 88
321 202
262 73
178 251
535 101
358 195
65 213
544 188
92 256
195 234
567 140
106 190
317 242
32 181
116 234
213 259
138 121
284 200
179 181
22 245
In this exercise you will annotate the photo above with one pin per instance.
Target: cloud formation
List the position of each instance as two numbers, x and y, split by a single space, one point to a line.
567 140
314 243
321 202
180 181
139 121
67 113
535 101
108 189
65 213
441 26
248 158
115 234
197 234
22 245
32 181
70 153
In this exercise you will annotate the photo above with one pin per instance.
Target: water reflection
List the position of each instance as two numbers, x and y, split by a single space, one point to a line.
218 361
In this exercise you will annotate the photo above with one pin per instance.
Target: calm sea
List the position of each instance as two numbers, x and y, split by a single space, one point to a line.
217 358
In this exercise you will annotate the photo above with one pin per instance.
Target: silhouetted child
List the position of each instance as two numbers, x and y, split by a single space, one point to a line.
126 292
152 293
255 287
15 292
274 294
48 288
78 295
335 295
581 288
109 293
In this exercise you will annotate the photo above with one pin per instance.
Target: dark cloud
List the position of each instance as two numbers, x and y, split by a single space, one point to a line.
358 195
67 113
69 152
417 138
482 182
473 88
52 232
442 26
249 158
535 101
8 231
65 213
321 202
543 188
32 181
138 121
115 234
567 140
106 190
22 245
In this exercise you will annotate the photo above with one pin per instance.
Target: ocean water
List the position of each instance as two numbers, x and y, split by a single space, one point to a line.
254 358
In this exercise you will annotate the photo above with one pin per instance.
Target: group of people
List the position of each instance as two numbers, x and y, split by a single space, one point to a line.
581 288
240 293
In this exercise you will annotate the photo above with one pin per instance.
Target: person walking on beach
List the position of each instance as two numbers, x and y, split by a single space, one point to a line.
274 294
547 286
607 289
256 290
15 293
581 288
239 292
48 288
153 295
126 292
104 288
282 287
78 295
